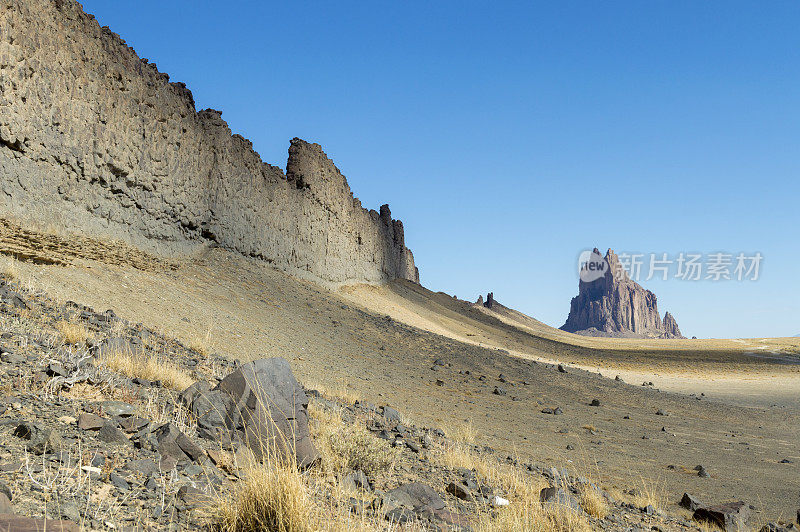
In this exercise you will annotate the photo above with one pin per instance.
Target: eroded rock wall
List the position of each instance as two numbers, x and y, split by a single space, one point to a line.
96 139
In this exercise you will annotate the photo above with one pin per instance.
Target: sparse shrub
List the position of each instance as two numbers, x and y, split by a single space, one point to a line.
270 497
348 447
593 502
149 367
10 269
72 332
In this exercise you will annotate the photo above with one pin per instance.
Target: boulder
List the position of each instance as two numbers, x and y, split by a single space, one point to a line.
731 516
689 502
561 497
415 496
260 404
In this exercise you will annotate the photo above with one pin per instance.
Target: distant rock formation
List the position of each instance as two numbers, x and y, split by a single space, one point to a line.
489 300
615 305
95 139
671 329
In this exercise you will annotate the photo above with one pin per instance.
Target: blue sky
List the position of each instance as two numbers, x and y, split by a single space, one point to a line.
510 136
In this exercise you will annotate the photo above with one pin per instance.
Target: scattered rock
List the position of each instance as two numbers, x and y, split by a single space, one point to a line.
730 516
689 502
109 433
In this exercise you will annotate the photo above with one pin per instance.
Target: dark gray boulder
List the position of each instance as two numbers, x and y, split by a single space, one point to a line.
260 404
731 516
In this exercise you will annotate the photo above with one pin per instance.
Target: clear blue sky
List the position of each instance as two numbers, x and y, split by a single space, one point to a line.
508 137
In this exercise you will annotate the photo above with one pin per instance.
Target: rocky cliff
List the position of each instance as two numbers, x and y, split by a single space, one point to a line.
94 138
615 305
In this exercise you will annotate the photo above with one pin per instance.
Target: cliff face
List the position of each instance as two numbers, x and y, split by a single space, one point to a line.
615 305
93 138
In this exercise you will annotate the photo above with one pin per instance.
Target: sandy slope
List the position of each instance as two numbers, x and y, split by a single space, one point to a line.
249 310
760 371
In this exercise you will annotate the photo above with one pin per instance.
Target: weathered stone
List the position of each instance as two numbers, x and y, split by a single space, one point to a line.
47 441
117 408
357 480
459 490
109 433
553 495
87 421
269 410
689 502
391 414
415 495
193 497
730 517
18 523
79 156
5 504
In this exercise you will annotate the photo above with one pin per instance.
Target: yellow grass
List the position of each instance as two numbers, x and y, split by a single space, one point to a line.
339 391
72 332
269 497
10 269
461 432
147 367
348 447
593 502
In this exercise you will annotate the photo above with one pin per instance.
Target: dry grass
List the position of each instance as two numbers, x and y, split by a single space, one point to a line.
339 391
147 367
269 497
461 432
348 447
650 494
525 513
10 269
72 332
593 502
202 344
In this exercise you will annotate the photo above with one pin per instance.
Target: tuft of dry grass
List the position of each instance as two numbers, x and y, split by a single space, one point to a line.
270 497
649 494
10 269
147 367
339 391
348 447
72 332
203 344
593 502
461 432
525 511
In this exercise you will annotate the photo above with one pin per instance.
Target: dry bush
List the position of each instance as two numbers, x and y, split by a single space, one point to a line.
348 447
270 497
10 269
203 344
593 501
461 432
147 367
72 332
649 494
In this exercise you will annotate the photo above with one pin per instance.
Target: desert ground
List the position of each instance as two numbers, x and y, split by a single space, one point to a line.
731 405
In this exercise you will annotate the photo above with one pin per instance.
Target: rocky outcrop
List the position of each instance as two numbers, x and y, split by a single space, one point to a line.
614 305
671 329
95 139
